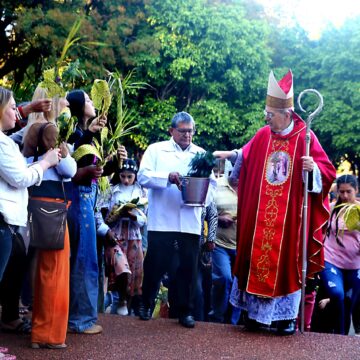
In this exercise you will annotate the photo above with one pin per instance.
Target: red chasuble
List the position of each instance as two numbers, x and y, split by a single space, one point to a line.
271 188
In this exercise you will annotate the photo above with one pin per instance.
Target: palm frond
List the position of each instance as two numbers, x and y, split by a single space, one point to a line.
351 215
86 149
101 96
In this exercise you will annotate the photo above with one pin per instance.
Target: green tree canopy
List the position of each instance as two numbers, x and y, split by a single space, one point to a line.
208 57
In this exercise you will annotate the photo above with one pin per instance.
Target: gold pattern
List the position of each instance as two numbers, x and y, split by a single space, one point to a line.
279 103
274 191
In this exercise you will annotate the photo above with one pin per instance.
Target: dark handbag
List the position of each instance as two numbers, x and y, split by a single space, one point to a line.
47 223
47 219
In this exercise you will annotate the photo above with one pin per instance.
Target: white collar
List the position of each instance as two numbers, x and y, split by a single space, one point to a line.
286 131
178 148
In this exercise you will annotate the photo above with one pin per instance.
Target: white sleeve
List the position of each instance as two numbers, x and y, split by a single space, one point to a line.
14 170
147 176
317 181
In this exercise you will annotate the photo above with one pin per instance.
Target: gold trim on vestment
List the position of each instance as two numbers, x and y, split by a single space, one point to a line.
279 103
271 211
287 207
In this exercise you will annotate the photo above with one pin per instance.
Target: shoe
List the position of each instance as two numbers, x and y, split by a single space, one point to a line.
122 309
144 312
36 345
95 329
187 321
108 301
250 324
286 327
19 327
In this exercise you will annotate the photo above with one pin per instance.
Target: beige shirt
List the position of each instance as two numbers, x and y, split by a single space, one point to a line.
226 202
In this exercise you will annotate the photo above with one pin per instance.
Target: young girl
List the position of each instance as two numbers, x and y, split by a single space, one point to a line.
342 257
121 231
84 272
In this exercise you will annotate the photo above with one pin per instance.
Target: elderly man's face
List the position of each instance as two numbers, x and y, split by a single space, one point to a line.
277 119
183 134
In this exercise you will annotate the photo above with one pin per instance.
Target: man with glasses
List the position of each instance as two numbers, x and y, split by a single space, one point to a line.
171 222
269 169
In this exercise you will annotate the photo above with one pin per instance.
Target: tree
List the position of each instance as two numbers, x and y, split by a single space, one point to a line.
331 65
212 60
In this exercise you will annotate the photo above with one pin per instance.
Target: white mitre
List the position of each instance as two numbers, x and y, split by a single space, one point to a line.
280 94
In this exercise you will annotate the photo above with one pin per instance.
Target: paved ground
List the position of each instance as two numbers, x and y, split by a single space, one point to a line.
130 338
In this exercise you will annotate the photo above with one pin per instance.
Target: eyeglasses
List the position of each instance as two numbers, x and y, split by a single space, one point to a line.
268 114
185 131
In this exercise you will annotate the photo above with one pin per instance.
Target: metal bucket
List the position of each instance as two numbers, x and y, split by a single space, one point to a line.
194 190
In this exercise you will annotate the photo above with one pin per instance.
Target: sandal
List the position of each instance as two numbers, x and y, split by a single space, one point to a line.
7 357
35 345
23 327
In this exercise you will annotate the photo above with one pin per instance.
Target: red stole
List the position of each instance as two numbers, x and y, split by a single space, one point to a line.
270 210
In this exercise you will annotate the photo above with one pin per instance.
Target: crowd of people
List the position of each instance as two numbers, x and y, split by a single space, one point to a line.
237 259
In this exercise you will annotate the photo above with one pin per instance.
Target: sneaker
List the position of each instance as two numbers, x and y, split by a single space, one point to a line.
95 329
122 309
108 301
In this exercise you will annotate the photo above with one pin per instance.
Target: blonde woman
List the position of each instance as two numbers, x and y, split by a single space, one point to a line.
56 104
15 177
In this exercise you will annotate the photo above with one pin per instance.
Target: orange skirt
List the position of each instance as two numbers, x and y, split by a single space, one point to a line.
51 293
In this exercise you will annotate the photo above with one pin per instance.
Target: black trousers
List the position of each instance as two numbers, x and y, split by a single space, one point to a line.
12 281
159 259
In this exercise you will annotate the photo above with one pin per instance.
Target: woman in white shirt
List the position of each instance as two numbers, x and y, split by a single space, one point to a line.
15 177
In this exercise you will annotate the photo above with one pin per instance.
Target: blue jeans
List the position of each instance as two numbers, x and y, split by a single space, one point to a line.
203 292
84 270
339 284
5 246
222 263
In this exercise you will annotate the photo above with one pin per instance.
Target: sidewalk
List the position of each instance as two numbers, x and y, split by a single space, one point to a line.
130 338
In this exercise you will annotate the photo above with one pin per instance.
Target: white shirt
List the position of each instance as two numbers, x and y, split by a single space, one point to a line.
121 194
166 210
15 177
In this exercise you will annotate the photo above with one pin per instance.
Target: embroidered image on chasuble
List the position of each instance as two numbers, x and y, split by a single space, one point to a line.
270 212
